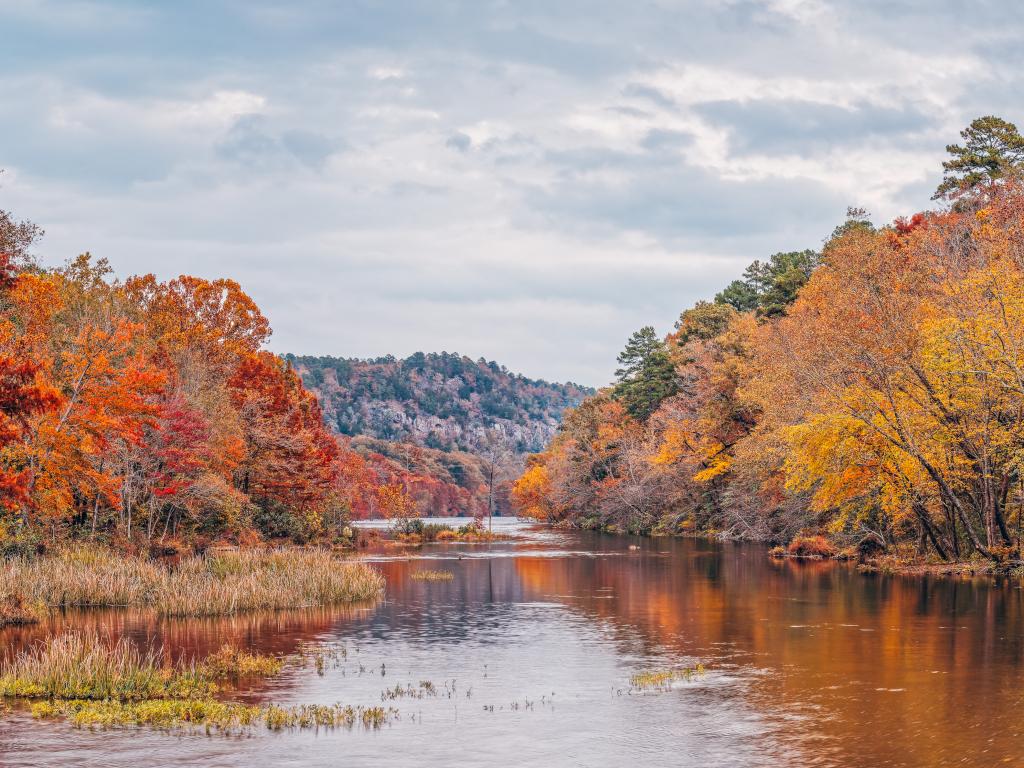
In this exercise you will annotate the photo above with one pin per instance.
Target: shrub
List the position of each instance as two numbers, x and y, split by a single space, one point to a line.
811 546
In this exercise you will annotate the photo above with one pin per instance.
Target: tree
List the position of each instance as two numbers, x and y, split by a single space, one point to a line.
23 397
647 375
769 287
497 455
992 150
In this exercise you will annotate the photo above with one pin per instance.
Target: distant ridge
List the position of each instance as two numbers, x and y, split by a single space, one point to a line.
441 400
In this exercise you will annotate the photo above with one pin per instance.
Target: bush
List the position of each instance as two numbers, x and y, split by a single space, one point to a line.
812 546
20 544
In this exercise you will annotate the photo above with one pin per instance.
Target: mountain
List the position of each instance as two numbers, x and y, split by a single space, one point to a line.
441 401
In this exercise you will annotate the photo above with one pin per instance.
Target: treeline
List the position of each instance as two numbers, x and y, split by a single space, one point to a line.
442 401
872 391
142 411
441 483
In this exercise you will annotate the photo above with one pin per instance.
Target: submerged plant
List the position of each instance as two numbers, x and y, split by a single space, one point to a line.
423 690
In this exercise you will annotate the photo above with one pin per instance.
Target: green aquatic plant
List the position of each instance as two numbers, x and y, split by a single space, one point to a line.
209 714
429 575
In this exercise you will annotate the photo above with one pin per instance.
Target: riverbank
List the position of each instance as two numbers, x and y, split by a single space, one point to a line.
904 559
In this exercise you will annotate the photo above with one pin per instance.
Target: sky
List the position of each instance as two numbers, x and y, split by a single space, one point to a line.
528 182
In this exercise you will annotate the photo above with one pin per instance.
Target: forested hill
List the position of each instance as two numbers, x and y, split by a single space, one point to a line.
444 401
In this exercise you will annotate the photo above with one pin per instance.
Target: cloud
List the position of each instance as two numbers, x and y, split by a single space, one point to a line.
795 127
528 182
252 141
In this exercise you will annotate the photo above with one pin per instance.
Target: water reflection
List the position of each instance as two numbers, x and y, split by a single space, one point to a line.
533 642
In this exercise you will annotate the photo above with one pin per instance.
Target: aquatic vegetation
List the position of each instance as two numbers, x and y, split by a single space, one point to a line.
319 655
210 714
279 718
425 689
231 662
93 683
258 580
83 575
414 531
663 679
223 583
429 575
83 666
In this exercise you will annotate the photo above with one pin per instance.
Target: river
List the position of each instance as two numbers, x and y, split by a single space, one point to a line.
532 644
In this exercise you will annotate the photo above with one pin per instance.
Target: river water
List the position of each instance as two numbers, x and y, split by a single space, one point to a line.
532 645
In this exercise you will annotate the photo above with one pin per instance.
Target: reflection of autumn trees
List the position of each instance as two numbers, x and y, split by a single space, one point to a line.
823 635
280 632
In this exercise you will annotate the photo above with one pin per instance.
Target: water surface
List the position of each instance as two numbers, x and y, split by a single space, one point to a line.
532 644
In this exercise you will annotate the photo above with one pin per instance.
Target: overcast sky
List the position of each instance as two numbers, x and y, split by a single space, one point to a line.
524 181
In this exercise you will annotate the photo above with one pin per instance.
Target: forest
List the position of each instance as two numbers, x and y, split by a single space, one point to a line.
137 411
867 396
442 401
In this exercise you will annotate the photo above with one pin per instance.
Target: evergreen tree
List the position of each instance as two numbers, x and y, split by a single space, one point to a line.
992 149
646 376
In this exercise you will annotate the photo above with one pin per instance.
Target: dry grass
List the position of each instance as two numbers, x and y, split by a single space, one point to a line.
82 666
245 581
79 665
15 609
220 584
83 575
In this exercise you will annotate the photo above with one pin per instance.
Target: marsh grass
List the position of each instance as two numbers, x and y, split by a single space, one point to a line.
662 679
211 715
423 690
221 584
79 665
15 609
428 575
93 683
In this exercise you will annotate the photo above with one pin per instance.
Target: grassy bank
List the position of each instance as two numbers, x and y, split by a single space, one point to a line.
15 609
92 682
224 583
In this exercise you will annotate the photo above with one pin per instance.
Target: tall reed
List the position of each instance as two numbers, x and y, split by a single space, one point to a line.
79 665
218 584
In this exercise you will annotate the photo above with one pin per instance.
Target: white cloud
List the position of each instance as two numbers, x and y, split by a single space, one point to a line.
525 184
